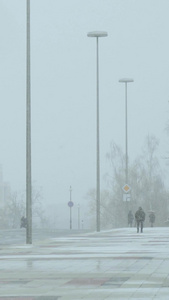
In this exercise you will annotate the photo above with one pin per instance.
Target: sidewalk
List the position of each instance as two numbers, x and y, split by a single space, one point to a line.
116 264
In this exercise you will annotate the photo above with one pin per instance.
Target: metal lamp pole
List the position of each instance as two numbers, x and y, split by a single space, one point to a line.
78 207
126 80
28 135
70 208
97 35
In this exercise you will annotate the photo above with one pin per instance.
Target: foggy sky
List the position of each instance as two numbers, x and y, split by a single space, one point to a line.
63 68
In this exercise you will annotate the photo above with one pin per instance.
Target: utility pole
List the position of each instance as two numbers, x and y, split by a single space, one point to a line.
28 133
70 208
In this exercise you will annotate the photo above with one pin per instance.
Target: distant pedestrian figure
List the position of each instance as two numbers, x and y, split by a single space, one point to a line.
23 222
140 217
130 218
152 218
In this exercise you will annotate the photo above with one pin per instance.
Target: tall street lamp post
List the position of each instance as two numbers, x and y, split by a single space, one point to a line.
28 134
126 81
97 35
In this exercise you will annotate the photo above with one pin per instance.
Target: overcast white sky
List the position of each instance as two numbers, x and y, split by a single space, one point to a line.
64 89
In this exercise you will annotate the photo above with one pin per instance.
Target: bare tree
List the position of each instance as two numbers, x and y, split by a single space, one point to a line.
16 208
147 182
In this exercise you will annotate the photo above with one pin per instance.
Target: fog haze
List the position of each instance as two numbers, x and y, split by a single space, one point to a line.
63 91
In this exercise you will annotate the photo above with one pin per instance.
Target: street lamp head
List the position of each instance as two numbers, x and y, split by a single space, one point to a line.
97 34
126 80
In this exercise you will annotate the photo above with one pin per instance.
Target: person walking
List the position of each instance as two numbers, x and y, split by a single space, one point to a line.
152 218
140 217
130 218
23 222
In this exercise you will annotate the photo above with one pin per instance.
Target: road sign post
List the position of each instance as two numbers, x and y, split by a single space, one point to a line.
126 197
126 189
70 204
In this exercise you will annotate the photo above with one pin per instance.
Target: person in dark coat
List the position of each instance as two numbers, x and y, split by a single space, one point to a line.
130 218
140 217
152 218
23 222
